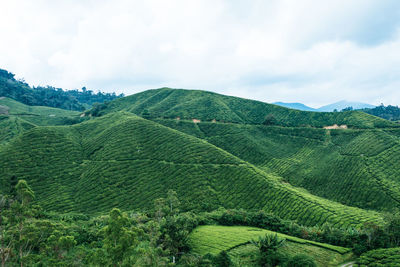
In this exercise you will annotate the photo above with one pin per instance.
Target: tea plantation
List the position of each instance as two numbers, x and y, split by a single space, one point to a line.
177 162
236 240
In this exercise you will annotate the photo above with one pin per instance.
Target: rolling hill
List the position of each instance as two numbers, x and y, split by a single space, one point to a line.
341 165
126 161
208 106
38 115
354 167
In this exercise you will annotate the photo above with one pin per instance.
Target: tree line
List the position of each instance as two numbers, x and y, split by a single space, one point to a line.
50 96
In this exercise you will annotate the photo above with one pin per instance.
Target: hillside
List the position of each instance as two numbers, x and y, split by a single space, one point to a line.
38 115
354 167
208 106
125 161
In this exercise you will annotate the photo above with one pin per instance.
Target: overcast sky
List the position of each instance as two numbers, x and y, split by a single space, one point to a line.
309 51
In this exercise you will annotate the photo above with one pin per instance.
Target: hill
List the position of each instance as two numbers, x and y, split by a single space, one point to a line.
38 115
126 161
298 106
344 104
354 167
208 106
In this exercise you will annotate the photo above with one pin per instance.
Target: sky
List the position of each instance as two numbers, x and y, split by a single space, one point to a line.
310 51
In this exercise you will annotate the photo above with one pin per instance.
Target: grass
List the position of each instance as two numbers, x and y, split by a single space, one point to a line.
235 239
125 161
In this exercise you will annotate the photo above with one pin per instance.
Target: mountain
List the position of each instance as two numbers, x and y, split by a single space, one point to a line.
344 104
298 106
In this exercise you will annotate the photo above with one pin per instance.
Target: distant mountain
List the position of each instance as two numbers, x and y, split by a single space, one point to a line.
298 106
344 104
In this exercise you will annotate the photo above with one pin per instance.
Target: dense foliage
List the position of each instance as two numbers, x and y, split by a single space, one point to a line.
381 257
50 96
389 112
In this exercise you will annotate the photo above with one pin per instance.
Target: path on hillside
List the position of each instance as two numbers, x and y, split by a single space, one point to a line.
349 264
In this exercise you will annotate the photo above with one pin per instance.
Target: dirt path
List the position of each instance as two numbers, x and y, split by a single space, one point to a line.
349 264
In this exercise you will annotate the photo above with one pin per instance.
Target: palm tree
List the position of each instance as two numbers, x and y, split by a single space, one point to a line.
268 242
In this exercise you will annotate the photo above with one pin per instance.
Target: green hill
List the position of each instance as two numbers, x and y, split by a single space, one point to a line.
208 106
126 161
38 115
354 167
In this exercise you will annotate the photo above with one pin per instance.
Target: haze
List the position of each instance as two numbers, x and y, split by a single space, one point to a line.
314 52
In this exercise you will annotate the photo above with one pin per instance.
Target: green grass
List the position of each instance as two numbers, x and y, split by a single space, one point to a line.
235 239
380 257
125 161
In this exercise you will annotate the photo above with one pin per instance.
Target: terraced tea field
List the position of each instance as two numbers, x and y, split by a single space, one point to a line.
235 239
355 167
123 160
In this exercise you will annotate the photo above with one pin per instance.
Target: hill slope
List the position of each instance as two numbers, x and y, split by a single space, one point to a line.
125 161
354 167
208 106
38 115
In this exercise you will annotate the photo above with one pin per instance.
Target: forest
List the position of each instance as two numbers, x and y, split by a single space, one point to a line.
50 96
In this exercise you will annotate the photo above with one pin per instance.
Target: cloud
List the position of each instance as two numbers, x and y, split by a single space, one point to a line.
311 51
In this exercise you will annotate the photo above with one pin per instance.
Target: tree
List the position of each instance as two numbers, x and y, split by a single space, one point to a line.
120 240
270 120
393 229
223 259
173 202
268 246
5 243
347 109
21 211
301 260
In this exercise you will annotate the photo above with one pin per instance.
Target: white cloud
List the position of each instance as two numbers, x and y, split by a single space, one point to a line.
311 51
